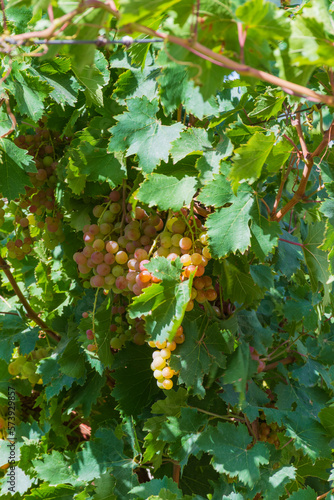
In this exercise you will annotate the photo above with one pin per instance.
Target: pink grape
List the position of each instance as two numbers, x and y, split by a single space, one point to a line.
112 246
130 247
114 196
24 222
143 264
89 334
132 234
131 276
133 265
109 258
97 257
94 229
83 268
103 269
79 258
136 289
85 314
150 231
90 263
185 243
140 254
88 238
97 281
121 283
87 251
145 240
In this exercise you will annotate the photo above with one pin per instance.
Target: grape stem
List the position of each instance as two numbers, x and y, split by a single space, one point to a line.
30 312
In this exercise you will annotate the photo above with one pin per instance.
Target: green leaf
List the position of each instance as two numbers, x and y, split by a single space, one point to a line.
137 83
228 227
304 494
65 87
46 492
194 358
249 159
139 131
135 386
167 191
71 362
228 445
217 192
186 93
326 418
101 453
153 487
15 164
262 276
289 254
92 77
22 482
315 258
264 233
237 281
30 92
239 369
191 141
273 482
163 304
104 487
54 469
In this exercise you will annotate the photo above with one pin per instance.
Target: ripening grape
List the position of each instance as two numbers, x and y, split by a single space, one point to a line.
167 384
116 343
94 229
180 339
114 196
115 208
103 269
179 227
109 258
167 372
98 211
121 257
98 245
97 281
97 257
89 334
109 279
158 375
121 283
117 271
185 243
165 240
165 353
159 363
112 247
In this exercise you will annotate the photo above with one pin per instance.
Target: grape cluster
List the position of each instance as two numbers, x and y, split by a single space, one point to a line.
35 213
161 358
26 366
268 433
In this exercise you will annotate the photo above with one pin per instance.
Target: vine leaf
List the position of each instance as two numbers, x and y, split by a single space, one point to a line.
228 445
139 131
15 163
228 227
167 191
249 159
316 259
163 304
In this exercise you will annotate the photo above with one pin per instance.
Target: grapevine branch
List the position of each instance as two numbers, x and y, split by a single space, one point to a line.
30 312
191 45
309 162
